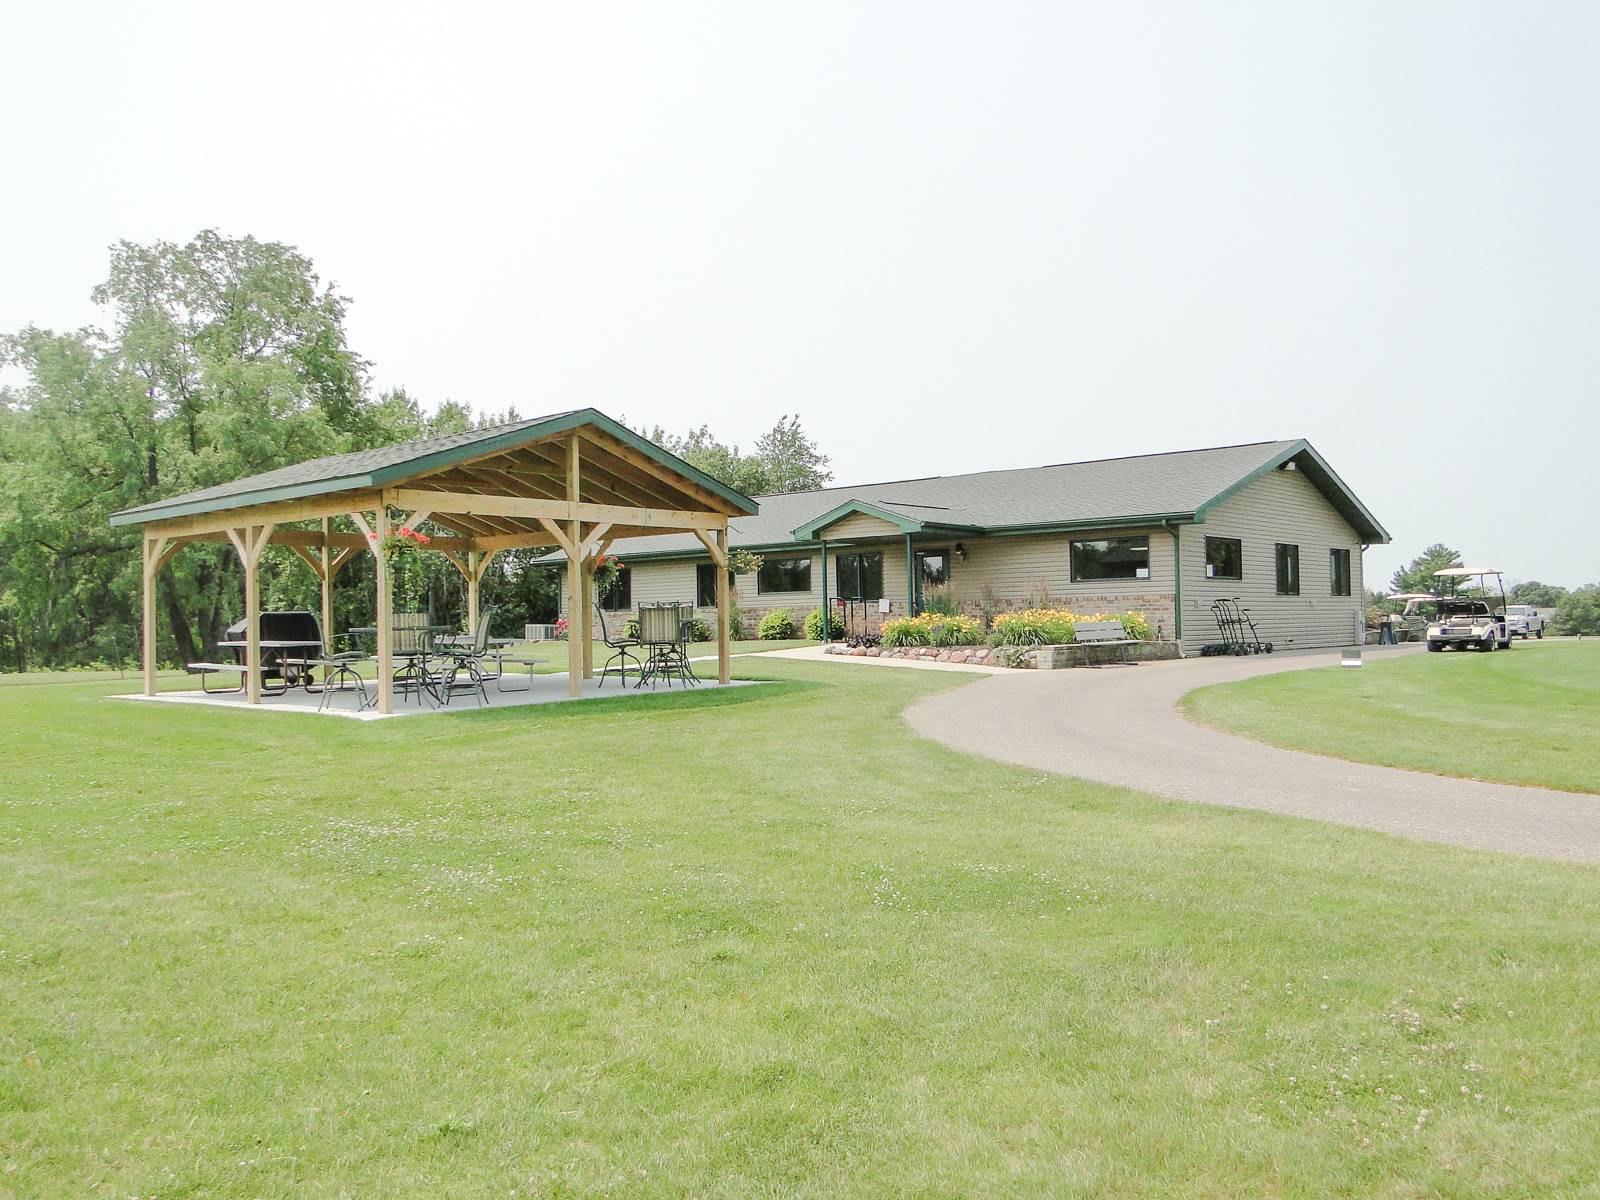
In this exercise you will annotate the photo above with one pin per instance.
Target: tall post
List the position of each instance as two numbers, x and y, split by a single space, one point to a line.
252 617
911 579
150 568
588 617
724 650
827 606
385 621
474 566
327 585
577 627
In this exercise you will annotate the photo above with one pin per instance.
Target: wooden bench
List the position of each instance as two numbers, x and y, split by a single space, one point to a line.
1102 633
207 669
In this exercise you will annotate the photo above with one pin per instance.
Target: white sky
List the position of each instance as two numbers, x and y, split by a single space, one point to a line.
951 237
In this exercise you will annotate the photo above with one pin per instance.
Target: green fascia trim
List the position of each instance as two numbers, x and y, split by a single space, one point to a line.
1336 489
292 491
850 507
700 552
445 458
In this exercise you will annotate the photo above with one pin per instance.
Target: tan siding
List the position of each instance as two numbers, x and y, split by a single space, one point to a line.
1282 506
860 525
1009 572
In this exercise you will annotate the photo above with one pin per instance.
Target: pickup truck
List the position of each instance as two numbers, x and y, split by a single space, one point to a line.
1524 621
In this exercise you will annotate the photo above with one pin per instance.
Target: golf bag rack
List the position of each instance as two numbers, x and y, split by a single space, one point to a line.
1238 631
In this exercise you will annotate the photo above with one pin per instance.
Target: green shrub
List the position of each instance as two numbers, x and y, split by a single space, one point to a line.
904 631
956 630
630 627
932 629
938 598
735 618
814 625
777 625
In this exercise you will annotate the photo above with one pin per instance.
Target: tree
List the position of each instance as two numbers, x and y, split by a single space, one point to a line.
785 459
1540 595
1578 611
225 357
1418 575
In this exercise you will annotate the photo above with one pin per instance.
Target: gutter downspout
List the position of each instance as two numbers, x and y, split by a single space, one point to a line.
827 609
1177 585
911 580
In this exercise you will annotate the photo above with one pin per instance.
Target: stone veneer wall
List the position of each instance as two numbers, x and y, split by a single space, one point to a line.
1038 658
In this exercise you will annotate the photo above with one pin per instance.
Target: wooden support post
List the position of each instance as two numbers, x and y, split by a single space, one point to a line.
724 650
716 544
385 620
474 557
250 541
325 576
588 618
577 627
152 553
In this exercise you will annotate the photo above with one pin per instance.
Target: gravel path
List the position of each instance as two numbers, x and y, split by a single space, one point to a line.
1121 725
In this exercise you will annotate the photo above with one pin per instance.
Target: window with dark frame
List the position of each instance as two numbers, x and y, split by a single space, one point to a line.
784 575
1111 558
1224 558
933 568
1339 572
705 584
860 575
620 597
1288 560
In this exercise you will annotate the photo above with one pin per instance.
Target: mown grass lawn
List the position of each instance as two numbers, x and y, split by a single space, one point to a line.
761 942
1530 715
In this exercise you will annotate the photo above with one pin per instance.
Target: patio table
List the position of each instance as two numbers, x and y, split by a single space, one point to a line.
274 650
416 660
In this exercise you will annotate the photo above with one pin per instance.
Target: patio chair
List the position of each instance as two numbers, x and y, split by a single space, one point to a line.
339 672
623 647
664 632
465 671
412 643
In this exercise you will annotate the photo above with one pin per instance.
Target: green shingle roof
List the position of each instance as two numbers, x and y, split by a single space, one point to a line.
387 464
1177 486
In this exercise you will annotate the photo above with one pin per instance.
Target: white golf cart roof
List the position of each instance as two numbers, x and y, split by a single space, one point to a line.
1459 572
1412 596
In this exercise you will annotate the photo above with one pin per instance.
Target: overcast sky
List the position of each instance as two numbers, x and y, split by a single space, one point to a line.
950 237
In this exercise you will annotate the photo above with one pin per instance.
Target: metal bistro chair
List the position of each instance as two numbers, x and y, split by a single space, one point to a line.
465 671
623 646
413 642
663 631
339 672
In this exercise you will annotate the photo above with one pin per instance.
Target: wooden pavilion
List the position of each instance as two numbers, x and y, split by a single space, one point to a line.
578 481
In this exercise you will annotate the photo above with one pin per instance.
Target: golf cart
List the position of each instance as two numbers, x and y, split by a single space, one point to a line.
1412 624
1463 621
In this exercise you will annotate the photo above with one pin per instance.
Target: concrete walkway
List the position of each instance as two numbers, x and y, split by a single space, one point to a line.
1121 726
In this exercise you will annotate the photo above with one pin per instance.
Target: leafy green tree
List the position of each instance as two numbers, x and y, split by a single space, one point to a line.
225 357
1540 595
1418 575
784 460
1578 611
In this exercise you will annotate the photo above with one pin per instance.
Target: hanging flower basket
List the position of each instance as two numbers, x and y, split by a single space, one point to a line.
607 573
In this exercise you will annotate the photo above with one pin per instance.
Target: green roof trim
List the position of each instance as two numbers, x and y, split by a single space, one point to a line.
385 465
849 508
1324 477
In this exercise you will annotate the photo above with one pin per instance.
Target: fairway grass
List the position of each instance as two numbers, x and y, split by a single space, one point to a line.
1530 715
761 942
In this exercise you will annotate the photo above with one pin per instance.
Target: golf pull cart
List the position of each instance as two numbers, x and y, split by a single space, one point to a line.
1464 621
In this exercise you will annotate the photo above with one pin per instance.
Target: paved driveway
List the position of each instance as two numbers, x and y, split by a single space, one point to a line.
1122 726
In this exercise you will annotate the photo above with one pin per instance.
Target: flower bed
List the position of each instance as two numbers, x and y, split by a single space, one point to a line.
1055 626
